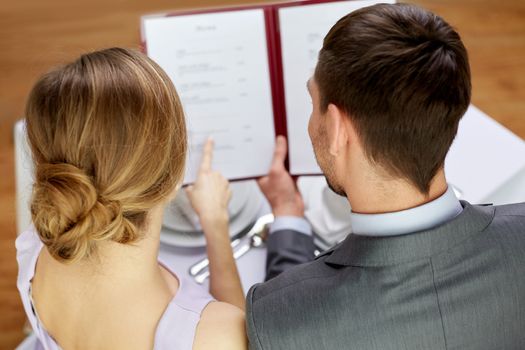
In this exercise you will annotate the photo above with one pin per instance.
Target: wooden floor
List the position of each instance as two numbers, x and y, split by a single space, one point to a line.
35 35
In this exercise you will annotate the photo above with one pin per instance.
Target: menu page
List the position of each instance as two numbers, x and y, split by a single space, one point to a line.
219 65
303 29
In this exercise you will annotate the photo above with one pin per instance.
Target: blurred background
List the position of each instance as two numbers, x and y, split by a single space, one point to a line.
37 35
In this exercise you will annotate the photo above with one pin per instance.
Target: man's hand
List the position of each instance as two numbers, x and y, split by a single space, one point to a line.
279 187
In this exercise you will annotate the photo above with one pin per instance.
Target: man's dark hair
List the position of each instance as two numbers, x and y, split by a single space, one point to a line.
402 75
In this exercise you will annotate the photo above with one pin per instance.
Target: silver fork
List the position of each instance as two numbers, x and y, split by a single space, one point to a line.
256 238
196 268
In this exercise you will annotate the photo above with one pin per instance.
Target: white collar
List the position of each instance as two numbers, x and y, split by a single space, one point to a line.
426 216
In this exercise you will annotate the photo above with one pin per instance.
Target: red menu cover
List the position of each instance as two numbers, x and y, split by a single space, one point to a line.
214 59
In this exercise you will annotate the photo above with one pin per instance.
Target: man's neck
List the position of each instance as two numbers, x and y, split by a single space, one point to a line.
375 194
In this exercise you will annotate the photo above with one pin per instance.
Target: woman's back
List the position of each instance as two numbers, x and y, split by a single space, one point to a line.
88 320
108 139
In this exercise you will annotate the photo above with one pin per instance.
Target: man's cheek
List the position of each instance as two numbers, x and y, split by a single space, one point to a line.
310 128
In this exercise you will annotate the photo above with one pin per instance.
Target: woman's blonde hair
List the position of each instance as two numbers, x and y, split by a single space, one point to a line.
108 138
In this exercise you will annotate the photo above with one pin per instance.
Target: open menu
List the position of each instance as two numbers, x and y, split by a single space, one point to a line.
241 75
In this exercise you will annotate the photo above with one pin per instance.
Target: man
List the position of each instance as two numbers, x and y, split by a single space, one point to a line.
421 270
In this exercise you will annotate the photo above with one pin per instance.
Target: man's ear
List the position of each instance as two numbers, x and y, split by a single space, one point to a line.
336 129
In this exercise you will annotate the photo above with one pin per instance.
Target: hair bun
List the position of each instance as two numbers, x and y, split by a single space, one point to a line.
69 214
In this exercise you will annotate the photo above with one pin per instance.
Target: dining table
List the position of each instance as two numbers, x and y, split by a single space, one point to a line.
251 265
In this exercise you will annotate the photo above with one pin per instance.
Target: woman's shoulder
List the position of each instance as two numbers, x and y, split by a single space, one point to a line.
217 311
222 326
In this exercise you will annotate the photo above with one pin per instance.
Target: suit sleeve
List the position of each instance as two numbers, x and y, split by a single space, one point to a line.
253 337
287 248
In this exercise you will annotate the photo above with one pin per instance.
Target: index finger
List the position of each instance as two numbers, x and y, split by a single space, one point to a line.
279 153
207 155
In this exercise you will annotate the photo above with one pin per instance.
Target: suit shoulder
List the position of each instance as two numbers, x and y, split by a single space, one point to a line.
303 273
516 209
508 227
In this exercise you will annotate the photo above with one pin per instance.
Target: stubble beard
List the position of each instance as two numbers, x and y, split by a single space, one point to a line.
320 146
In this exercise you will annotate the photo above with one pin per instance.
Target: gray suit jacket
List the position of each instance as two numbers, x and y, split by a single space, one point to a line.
458 286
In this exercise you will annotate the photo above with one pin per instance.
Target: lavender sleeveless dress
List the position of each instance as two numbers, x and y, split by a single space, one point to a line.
176 328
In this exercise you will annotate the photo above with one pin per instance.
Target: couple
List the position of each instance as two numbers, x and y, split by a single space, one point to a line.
422 270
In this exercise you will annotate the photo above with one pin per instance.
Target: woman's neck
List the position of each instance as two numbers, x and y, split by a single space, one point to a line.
115 266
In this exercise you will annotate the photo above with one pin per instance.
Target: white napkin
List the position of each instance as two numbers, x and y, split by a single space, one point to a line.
327 212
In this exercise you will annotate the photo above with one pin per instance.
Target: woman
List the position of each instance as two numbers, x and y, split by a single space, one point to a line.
108 138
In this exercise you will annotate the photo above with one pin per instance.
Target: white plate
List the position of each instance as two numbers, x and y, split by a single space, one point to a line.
179 231
179 216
